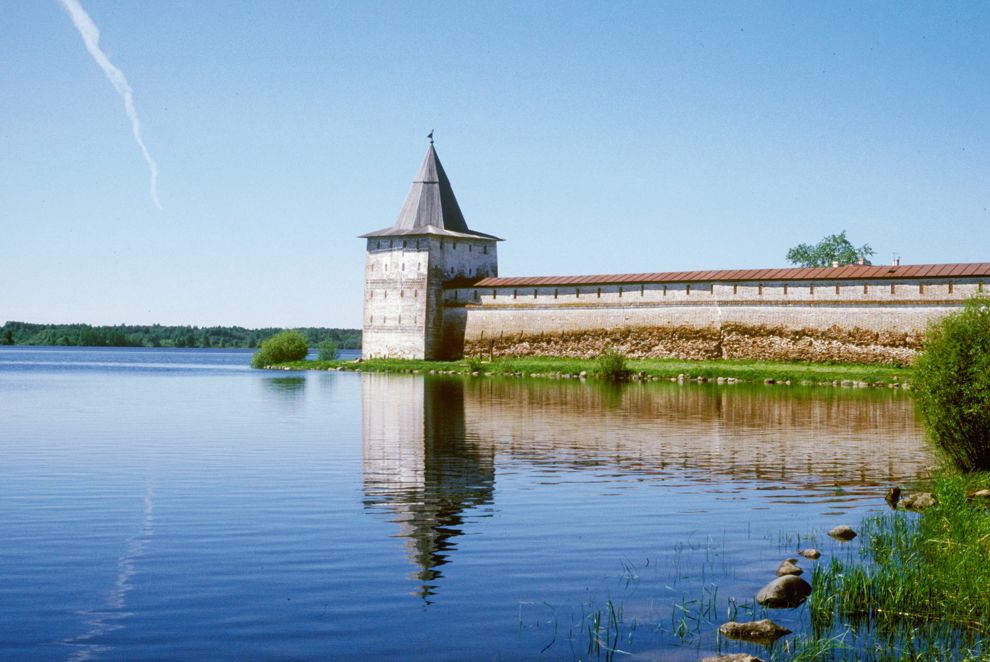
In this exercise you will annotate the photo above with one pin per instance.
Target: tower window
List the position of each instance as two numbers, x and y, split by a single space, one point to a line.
599 293
470 247
687 289
735 288
785 289
866 288
642 290
484 249
759 289
404 243
555 293
515 293
950 288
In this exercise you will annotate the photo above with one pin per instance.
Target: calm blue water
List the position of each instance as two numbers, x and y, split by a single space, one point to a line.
174 504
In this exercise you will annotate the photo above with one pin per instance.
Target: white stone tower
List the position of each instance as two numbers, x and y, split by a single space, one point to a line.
408 265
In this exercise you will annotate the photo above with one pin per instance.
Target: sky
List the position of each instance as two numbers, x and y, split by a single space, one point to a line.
606 137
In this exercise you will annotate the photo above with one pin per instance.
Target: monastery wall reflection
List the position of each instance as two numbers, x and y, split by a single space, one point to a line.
430 443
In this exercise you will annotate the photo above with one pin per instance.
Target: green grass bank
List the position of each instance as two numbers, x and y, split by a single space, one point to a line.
921 583
638 369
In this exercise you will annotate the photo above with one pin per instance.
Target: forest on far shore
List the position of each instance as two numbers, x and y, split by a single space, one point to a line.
157 335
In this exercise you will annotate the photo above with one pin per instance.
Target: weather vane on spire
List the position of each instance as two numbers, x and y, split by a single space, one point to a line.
430 136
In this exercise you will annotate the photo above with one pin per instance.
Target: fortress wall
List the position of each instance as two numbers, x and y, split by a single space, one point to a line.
874 321
403 292
395 297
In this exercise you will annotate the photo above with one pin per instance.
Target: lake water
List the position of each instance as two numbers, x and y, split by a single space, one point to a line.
174 504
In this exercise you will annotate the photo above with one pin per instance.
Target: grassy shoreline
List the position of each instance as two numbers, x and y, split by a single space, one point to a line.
639 369
921 583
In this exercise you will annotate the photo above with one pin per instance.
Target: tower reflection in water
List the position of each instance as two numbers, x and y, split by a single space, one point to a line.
430 445
420 467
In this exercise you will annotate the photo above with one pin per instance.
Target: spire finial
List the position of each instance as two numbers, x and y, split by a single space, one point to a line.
430 136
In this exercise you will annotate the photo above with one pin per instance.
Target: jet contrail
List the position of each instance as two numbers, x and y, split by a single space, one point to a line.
91 37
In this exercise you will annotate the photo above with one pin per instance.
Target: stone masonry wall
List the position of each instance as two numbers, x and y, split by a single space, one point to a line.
861 322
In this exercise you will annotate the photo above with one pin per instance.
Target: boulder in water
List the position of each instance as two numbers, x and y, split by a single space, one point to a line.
784 592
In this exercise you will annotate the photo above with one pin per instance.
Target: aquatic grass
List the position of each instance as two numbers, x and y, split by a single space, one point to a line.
921 583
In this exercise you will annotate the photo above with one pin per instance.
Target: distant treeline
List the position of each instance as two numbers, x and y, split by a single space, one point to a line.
156 335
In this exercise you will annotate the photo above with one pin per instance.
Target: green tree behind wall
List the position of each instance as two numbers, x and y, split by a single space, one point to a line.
833 248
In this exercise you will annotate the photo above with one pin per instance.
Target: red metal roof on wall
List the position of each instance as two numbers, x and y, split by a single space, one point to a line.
850 272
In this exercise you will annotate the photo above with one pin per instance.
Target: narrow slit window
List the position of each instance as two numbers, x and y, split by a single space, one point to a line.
759 289
892 287
785 289
836 288
642 290
735 288
599 292
555 293
687 289
950 288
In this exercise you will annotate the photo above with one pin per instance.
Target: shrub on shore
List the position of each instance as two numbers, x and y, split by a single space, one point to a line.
328 350
952 385
284 346
612 365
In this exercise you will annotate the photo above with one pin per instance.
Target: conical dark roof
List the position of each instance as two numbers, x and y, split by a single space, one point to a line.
430 207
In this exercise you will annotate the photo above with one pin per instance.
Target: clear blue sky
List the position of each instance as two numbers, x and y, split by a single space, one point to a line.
595 138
